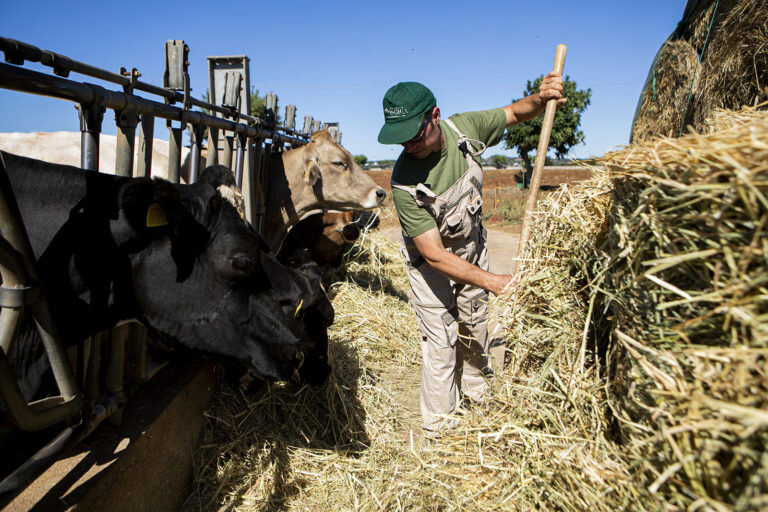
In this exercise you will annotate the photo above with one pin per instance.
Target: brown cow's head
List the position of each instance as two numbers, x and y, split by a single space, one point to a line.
337 180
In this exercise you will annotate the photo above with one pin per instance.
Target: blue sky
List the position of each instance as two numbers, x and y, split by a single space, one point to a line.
334 60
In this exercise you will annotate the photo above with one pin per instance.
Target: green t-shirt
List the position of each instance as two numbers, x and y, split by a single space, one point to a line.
439 171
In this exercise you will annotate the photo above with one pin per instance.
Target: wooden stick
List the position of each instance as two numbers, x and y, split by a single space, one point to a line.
541 156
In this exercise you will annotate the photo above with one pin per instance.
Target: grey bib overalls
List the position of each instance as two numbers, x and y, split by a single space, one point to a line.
452 316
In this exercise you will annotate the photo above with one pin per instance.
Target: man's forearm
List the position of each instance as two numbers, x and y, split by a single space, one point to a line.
462 271
524 109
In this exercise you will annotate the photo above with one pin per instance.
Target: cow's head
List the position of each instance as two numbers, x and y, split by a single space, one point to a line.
335 177
199 278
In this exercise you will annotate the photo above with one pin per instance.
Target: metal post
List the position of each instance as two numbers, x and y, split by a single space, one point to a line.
229 143
213 146
240 161
196 137
257 197
307 125
253 194
116 369
146 140
126 121
91 117
174 153
290 117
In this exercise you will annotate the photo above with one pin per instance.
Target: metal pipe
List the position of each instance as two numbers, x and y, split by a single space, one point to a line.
256 195
24 80
127 120
196 139
90 128
213 146
116 368
240 161
174 154
229 143
146 138
18 51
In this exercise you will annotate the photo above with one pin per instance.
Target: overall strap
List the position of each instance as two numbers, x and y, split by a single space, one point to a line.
466 145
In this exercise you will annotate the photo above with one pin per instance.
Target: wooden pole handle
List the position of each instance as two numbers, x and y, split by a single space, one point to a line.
541 156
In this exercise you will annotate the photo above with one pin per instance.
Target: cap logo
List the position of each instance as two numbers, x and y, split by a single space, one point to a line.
394 112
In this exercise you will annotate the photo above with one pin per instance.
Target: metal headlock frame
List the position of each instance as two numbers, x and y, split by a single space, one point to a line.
20 288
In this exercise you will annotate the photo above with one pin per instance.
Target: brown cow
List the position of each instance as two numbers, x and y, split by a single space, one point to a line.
324 235
314 178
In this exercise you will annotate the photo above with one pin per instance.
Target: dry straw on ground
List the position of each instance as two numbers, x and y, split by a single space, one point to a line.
637 362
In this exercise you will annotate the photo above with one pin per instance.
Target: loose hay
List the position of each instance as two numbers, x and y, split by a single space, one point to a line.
637 348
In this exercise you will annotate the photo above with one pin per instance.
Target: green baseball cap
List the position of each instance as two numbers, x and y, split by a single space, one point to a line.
404 105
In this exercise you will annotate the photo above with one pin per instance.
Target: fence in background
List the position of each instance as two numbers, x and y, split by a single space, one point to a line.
237 136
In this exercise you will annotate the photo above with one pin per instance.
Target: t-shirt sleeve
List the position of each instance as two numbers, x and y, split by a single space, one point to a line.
484 125
413 220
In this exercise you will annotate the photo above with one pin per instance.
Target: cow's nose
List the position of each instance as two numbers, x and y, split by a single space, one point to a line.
381 194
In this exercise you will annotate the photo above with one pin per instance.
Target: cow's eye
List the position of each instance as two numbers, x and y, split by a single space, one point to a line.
339 163
241 262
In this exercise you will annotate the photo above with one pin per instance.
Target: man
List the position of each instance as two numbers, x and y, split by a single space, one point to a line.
437 190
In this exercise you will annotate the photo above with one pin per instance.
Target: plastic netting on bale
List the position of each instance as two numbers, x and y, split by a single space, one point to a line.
717 57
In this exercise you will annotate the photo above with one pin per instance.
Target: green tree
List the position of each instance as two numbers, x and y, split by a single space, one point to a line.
524 137
361 160
499 161
257 103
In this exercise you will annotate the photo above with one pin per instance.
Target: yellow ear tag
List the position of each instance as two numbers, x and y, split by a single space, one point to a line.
156 216
298 308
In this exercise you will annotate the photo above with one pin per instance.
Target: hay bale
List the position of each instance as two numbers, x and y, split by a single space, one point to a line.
717 58
734 66
685 287
663 104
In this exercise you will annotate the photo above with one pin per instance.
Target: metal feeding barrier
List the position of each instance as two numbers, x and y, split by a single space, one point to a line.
83 403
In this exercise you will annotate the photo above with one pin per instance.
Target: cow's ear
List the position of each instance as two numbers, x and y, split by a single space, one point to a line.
311 173
151 208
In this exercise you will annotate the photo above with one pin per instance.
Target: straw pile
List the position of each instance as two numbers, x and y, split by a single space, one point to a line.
731 39
685 287
637 354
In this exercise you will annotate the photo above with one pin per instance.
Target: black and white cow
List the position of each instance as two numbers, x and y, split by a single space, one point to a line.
178 258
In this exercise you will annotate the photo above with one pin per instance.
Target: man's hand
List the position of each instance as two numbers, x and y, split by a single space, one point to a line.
502 283
430 246
551 88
